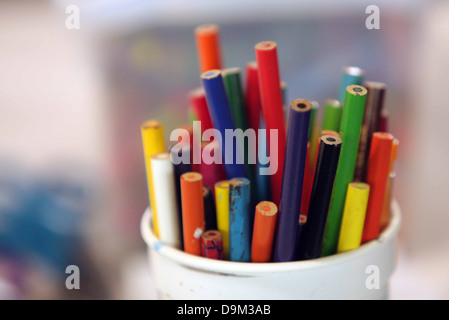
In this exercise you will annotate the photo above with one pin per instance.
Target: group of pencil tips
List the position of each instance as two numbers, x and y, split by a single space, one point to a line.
297 182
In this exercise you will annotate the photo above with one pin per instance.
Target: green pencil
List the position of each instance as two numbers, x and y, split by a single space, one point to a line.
332 115
351 123
231 79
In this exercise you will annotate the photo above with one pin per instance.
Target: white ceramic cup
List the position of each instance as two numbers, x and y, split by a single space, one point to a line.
363 273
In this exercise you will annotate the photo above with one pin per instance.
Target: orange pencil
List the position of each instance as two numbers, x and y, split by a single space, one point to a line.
208 46
378 170
385 218
263 232
192 204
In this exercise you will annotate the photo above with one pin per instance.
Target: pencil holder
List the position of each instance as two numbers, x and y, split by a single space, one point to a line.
362 273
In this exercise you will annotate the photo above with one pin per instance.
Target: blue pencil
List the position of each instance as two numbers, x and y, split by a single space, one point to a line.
239 220
287 231
351 75
220 113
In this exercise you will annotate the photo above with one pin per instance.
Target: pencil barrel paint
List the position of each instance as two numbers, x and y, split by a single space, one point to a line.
153 143
222 209
239 220
285 245
233 86
350 76
252 96
263 231
353 216
272 107
179 170
385 219
374 106
332 115
220 113
198 103
210 216
308 182
212 245
378 171
323 183
165 199
351 123
208 47
192 211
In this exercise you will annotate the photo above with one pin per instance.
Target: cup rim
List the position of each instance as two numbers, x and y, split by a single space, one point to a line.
251 268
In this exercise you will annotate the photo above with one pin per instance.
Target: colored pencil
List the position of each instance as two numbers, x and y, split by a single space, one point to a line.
383 123
308 182
353 216
378 170
263 232
332 115
220 112
285 245
222 208
211 172
314 131
351 123
179 170
262 180
239 220
212 245
210 216
208 47
350 76
371 119
252 97
323 183
192 211
197 98
165 199
233 86
272 108
153 143
385 219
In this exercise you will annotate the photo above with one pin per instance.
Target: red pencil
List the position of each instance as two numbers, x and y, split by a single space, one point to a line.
252 96
308 182
378 170
272 107
198 102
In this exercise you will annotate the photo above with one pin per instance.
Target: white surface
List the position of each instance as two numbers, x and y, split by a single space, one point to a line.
178 275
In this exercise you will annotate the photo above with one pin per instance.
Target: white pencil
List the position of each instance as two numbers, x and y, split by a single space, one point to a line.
165 199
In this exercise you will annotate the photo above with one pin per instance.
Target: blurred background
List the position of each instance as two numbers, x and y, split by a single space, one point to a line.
72 177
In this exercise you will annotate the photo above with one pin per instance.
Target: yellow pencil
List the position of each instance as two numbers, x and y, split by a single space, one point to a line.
153 143
222 207
353 216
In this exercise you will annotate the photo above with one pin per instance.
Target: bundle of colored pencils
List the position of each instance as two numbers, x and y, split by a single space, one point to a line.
315 188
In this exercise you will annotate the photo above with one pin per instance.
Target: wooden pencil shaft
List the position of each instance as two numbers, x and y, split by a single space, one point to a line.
371 123
285 245
208 47
153 143
239 220
323 183
165 199
192 211
378 171
220 112
222 208
351 123
272 107
353 216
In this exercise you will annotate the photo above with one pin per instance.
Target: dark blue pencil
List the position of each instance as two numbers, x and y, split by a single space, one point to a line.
220 113
287 230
